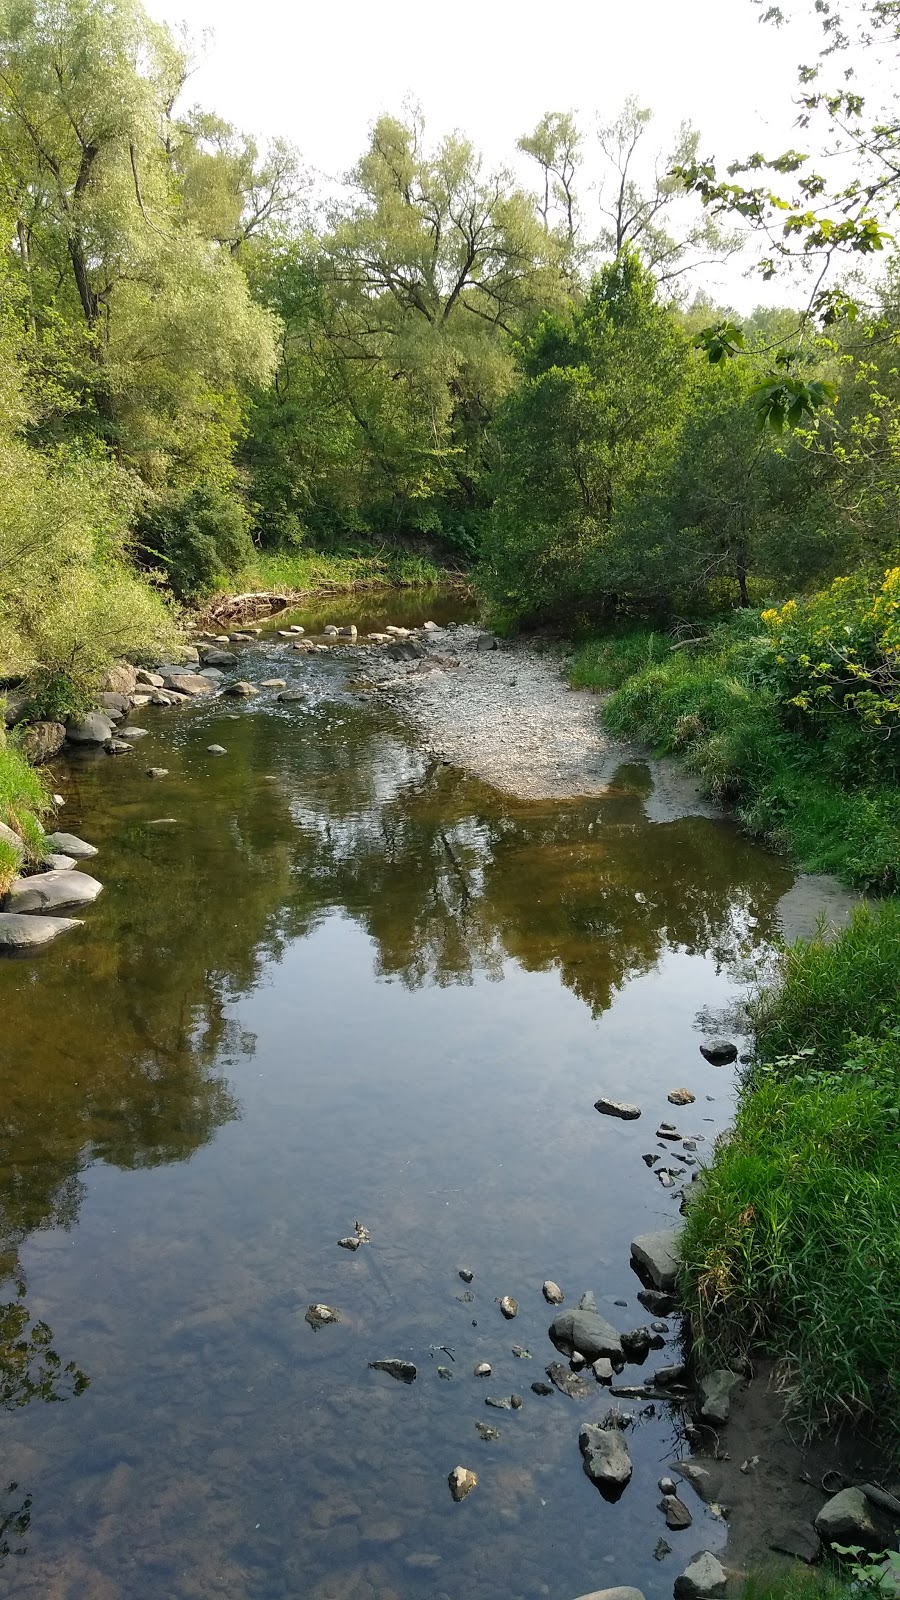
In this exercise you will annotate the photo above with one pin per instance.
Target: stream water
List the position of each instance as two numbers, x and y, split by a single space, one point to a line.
332 979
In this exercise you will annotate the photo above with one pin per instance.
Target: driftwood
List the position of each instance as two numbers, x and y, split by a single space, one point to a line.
245 607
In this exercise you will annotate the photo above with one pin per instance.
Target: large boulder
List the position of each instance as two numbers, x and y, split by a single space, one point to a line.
121 678
51 891
24 933
657 1256
40 741
218 658
70 845
585 1330
147 679
95 728
848 1518
703 1579
115 705
15 705
189 683
606 1458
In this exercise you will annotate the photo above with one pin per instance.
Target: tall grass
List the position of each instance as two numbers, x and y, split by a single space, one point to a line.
311 571
793 1245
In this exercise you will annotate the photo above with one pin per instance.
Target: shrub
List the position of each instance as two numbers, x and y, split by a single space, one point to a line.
200 537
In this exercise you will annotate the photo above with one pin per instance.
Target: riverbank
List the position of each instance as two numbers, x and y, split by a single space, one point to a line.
824 797
303 575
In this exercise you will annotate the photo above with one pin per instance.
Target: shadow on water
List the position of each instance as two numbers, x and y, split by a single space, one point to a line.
342 980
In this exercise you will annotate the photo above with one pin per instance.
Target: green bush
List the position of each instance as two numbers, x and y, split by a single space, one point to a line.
24 799
200 537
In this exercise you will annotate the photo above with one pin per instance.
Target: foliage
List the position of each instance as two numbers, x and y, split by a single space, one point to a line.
838 656
23 801
793 1244
200 538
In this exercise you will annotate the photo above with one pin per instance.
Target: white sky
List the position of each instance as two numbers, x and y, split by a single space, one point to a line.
319 74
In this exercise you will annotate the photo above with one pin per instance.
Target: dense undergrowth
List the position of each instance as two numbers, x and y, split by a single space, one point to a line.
791 717
793 1245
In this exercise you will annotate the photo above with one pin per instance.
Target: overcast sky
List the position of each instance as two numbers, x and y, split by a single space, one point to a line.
319 74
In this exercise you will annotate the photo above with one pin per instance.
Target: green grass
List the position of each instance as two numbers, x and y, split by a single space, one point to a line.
821 800
796 1583
23 800
312 572
793 1244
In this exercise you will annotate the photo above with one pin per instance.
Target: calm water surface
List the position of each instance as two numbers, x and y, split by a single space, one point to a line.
345 982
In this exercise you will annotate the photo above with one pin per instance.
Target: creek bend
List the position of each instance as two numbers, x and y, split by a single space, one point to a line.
347 981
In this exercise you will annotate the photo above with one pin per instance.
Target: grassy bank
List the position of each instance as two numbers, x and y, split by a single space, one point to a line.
824 790
24 799
311 572
793 1245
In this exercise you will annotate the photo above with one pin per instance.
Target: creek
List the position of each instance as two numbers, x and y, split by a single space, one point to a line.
332 978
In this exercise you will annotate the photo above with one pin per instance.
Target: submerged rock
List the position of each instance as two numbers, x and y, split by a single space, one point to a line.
570 1383
405 1371
157 772
462 1482
216 750
542 1388
656 1253
22 932
499 1403
352 1242
617 1108
117 747
273 683
552 1293
676 1513
606 1458
587 1331
290 696
703 1579
719 1052
319 1315
485 1431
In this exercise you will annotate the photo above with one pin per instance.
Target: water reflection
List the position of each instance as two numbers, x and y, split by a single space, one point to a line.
344 981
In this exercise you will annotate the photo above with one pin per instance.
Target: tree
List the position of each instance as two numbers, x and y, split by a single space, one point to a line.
600 392
556 146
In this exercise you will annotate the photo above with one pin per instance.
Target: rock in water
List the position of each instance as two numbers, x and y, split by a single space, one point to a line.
216 749
352 1242
157 772
676 1513
289 696
19 932
504 1404
553 1293
273 683
656 1253
603 1370
702 1580
847 1519
681 1097
484 1431
117 747
606 1458
715 1396
586 1331
42 740
92 729
319 1316
241 690
570 1383
719 1052
403 1370
192 684
617 1108
623 1592
52 891
466 1274
509 1306
482 1370
542 1388
461 1482
654 1300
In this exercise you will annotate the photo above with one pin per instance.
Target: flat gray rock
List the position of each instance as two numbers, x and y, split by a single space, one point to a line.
51 891
55 863
606 1458
290 695
586 1331
617 1108
570 1383
7 836
95 728
219 658
656 1253
71 845
623 1592
190 683
19 932
719 1052
703 1579
132 734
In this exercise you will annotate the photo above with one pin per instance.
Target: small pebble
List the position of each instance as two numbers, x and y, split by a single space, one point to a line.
482 1370
509 1306
466 1274
216 750
553 1293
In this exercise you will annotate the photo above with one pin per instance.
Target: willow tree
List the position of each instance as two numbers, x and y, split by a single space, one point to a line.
137 320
